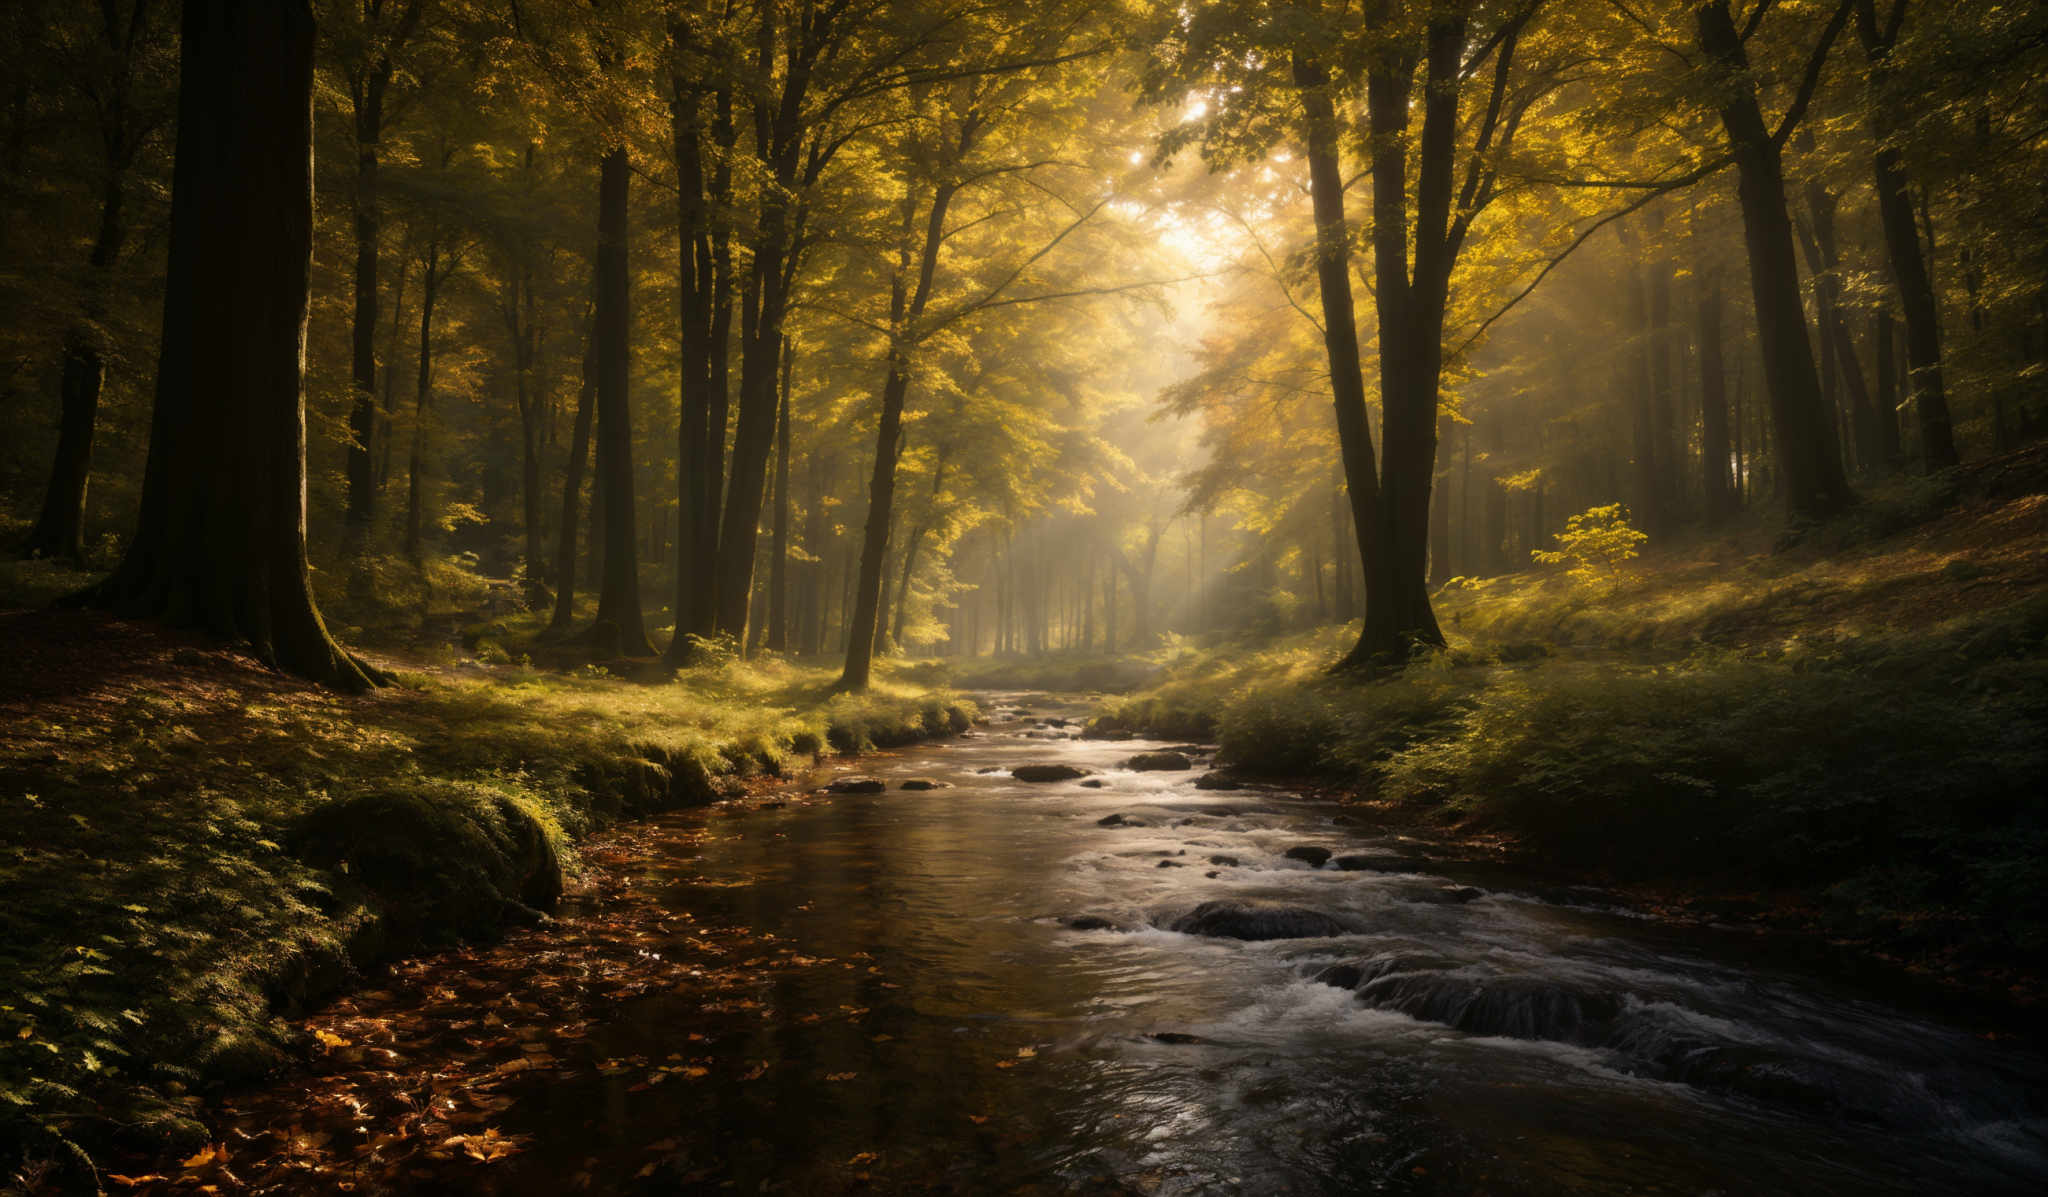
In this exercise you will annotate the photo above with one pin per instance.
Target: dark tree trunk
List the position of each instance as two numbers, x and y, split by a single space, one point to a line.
423 402
907 301
221 542
572 496
1902 244
1838 348
1714 448
777 638
388 412
367 89
1808 453
618 599
1340 320
59 530
704 292
519 315
1887 400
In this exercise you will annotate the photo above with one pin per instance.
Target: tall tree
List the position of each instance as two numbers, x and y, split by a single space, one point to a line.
126 114
221 542
378 33
1808 449
1910 272
618 600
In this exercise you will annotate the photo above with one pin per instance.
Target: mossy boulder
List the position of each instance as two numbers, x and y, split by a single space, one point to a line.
443 863
1149 762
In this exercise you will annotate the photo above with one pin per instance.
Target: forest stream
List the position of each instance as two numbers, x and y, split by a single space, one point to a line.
995 986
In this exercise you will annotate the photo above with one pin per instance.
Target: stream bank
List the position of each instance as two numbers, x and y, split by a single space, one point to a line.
1116 981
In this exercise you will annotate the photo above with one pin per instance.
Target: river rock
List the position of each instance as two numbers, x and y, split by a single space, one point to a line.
1095 783
1158 762
1177 1038
1171 864
1117 820
1048 772
856 785
990 769
1380 862
1229 861
1088 922
1228 918
1309 855
1446 895
1217 781
922 783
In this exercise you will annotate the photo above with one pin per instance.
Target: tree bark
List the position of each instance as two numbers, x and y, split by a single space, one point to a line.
367 89
618 600
423 399
1808 453
59 530
1902 245
572 496
906 306
221 542
777 638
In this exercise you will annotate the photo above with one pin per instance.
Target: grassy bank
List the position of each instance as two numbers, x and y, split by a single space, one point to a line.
194 845
1849 734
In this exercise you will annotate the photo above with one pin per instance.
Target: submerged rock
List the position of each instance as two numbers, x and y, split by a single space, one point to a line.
1228 918
1095 783
1088 922
1380 862
1177 1038
1171 864
1309 855
1230 861
1117 820
923 783
1217 781
856 785
1156 762
1038 773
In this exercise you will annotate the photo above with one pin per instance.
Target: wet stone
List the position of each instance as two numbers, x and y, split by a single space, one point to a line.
1217 781
856 785
1150 762
1309 855
922 783
1095 783
1227 861
1088 922
1233 919
1048 772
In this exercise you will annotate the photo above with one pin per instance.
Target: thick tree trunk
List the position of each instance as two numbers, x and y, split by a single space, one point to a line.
221 543
1808 453
618 599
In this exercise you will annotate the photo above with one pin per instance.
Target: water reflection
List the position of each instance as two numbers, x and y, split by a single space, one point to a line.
934 1025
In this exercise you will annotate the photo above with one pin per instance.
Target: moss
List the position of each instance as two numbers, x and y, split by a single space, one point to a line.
201 843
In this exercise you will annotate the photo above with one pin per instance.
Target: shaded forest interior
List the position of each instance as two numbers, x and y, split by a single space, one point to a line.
1433 401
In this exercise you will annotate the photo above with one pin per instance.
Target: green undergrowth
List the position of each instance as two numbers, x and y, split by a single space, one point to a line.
1875 755
195 846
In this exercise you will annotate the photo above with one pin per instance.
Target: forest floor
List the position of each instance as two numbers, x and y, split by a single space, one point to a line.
1840 737
194 846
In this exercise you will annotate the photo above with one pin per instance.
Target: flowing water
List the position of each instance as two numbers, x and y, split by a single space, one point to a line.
1403 1031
